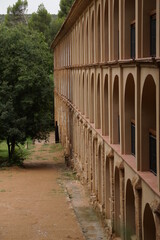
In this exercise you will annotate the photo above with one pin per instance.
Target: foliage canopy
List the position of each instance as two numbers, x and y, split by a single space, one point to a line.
41 21
65 6
26 92
16 13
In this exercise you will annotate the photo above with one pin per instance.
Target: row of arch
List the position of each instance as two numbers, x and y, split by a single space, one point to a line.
112 109
121 200
120 197
102 34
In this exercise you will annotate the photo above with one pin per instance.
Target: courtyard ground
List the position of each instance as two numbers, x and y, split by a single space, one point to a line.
44 201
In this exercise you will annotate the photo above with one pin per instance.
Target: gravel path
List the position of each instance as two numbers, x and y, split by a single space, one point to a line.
40 201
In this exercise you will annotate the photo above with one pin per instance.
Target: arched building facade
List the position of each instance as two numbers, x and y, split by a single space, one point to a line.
107 105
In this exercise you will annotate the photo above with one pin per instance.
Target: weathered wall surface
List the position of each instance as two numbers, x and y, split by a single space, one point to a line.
107 104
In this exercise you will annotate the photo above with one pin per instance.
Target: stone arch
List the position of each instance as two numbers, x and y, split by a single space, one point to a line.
129 104
77 89
79 92
86 42
148 8
82 43
116 30
94 167
129 25
76 46
107 189
149 227
117 203
98 104
92 38
79 45
85 152
74 87
86 97
98 35
106 108
148 126
130 211
106 35
90 153
83 95
116 118
92 99
100 174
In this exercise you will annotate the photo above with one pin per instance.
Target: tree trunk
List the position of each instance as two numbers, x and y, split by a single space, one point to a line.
13 144
9 148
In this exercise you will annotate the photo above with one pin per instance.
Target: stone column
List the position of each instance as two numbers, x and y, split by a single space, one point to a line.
86 153
137 119
110 104
89 158
139 29
121 113
155 206
136 182
121 29
122 212
111 169
94 158
103 184
110 29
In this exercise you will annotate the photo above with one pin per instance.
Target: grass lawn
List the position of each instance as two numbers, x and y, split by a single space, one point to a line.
56 148
21 152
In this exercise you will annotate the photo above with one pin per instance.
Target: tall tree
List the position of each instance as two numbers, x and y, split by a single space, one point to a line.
65 6
41 21
16 13
26 92
55 26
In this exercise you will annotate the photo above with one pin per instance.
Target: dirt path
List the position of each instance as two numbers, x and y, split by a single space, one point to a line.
34 202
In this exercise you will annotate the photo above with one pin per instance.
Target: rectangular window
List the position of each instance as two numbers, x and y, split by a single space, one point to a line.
133 138
152 153
153 35
133 43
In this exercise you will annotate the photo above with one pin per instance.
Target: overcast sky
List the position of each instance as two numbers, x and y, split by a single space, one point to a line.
52 6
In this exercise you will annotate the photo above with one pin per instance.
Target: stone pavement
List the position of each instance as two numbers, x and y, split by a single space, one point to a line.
89 220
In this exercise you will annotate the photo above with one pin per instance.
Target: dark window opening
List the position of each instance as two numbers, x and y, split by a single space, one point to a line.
153 35
152 153
133 43
133 138
118 44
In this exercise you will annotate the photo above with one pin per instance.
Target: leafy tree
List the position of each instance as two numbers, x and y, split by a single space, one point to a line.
40 21
16 13
26 92
55 26
65 6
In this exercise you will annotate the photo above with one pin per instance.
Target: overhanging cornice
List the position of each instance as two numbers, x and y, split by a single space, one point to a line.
76 10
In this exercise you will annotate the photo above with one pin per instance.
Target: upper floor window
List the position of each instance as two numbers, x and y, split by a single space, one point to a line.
133 40
133 138
152 152
153 35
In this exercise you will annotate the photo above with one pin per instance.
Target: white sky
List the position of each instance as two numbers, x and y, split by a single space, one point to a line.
52 6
